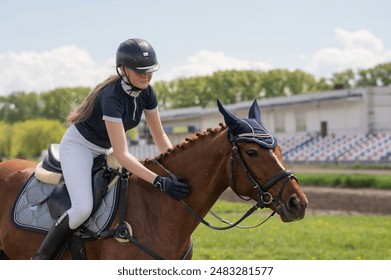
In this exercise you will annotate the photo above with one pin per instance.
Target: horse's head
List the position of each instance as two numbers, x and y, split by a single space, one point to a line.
257 169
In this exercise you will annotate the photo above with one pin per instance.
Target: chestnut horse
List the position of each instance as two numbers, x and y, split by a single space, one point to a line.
241 155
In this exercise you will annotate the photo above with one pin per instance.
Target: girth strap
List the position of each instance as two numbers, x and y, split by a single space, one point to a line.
140 245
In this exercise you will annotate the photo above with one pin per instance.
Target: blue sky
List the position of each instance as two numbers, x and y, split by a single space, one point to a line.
46 44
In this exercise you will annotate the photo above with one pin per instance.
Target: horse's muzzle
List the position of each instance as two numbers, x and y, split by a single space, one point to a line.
293 209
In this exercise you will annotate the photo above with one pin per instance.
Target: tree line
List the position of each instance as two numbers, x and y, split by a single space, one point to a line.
31 121
234 86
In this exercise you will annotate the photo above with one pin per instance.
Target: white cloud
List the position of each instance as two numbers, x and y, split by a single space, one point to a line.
354 50
65 66
69 66
360 49
206 62
359 39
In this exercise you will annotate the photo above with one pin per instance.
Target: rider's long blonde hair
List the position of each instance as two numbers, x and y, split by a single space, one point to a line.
82 112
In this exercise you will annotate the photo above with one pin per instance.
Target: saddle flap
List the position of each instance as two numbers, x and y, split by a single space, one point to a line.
59 200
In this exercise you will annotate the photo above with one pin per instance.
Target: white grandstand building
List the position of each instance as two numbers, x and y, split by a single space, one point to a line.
340 126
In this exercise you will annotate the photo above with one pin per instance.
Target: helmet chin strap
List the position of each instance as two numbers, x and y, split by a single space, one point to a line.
127 86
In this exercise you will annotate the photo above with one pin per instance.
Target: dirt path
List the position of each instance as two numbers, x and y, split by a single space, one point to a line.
348 201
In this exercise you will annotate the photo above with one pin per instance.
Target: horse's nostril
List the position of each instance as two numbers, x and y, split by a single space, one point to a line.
294 203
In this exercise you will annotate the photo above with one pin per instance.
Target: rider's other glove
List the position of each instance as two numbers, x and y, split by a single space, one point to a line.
174 189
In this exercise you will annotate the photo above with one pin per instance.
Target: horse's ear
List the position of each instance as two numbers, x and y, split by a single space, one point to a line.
229 118
255 112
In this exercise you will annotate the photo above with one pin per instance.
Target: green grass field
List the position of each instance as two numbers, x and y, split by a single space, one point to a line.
380 181
316 237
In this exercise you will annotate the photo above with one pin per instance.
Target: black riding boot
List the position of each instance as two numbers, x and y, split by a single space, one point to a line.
55 240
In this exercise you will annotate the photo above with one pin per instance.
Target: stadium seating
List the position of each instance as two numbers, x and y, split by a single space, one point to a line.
142 152
338 148
371 148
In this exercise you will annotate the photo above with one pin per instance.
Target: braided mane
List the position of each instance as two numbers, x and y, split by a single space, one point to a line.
196 137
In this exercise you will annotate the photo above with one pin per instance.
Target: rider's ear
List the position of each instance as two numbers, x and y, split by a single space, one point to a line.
121 70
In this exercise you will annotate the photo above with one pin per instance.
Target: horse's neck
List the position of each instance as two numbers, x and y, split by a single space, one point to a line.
202 163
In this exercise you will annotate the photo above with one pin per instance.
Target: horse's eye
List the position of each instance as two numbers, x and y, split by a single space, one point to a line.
251 153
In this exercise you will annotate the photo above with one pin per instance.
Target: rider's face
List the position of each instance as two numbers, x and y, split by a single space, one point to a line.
140 80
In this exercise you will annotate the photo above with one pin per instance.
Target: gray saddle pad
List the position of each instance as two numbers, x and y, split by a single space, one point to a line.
31 209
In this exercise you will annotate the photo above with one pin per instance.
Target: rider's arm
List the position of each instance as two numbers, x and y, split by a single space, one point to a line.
120 147
155 126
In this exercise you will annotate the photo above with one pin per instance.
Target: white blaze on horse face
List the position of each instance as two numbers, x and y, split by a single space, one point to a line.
278 161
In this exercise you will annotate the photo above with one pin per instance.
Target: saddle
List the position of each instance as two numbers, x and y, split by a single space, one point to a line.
49 171
44 197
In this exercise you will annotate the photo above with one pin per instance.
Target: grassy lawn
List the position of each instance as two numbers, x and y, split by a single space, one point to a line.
316 237
378 181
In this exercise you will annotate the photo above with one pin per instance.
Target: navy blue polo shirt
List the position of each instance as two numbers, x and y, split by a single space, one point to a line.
114 104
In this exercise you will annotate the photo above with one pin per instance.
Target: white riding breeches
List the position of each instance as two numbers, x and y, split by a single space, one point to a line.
77 158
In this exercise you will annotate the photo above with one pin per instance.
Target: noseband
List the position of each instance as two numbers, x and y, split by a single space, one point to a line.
265 197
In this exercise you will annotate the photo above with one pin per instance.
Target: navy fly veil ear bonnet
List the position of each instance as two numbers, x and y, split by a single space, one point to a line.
248 130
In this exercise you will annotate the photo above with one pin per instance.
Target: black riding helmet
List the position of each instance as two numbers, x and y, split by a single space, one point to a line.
138 55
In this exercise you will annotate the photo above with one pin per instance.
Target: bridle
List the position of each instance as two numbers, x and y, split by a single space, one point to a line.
265 197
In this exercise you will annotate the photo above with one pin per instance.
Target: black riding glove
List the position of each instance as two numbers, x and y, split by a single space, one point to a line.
175 189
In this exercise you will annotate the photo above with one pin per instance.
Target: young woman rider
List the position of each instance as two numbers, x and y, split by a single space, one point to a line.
113 107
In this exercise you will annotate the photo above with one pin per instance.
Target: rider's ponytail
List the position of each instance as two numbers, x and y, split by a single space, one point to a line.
82 112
